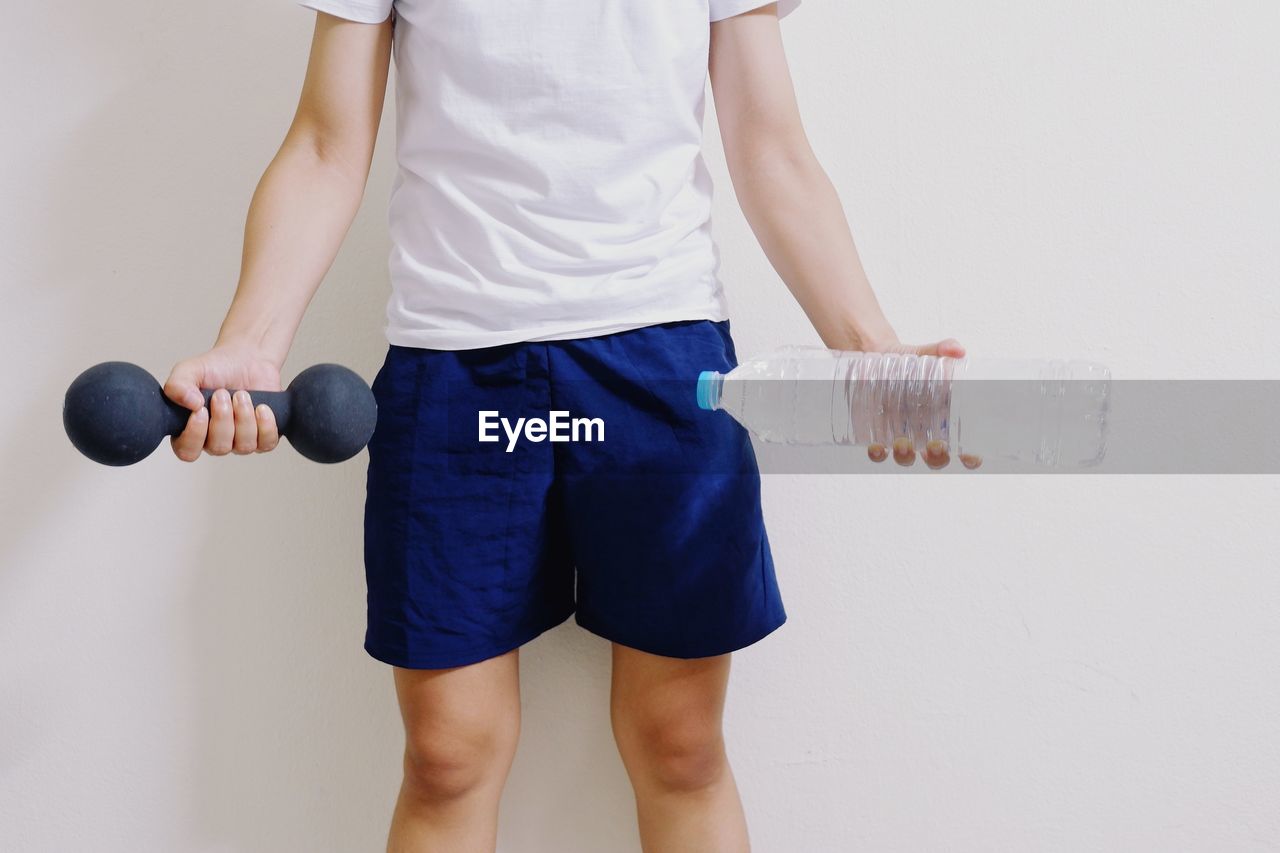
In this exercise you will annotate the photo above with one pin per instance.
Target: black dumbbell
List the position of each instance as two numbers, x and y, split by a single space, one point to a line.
116 413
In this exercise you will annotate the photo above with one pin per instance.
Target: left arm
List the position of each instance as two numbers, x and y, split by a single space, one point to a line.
786 196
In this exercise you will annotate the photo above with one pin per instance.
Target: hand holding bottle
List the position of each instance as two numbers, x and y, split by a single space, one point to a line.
936 453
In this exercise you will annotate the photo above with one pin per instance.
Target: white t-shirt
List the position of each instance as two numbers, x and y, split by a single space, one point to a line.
550 182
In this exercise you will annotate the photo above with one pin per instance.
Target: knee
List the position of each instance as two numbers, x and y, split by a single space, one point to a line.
670 752
447 763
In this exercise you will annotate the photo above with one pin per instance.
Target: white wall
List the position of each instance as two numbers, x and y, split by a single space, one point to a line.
972 663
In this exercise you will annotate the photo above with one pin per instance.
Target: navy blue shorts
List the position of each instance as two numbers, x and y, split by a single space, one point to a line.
647 527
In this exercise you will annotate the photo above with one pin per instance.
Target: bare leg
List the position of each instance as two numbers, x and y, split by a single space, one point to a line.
667 721
461 727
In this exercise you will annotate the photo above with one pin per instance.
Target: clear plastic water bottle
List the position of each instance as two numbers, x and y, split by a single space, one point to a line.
1047 413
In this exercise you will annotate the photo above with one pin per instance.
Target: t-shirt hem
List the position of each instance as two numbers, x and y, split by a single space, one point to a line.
351 10
453 340
729 8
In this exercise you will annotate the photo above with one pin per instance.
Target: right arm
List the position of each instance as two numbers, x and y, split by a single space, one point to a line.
297 220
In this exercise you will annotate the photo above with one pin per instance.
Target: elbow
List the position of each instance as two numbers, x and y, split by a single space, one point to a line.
337 152
773 166
773 156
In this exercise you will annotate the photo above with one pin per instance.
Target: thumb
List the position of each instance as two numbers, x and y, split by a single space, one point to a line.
183 386
945 348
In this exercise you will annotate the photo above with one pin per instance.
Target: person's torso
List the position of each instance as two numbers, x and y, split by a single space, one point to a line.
550 177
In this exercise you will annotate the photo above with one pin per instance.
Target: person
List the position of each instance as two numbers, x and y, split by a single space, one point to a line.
551 250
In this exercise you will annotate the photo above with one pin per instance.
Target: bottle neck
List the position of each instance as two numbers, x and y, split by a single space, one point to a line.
710 384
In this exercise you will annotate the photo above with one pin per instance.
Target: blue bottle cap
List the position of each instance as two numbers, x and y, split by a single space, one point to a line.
709 390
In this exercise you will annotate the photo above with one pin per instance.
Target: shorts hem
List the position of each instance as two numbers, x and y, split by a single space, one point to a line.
462 657
708 651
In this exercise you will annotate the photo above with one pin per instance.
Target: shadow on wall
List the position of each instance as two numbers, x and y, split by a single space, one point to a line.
295 737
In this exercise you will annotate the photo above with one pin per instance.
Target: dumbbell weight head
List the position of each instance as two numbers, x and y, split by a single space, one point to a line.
115 413
332 413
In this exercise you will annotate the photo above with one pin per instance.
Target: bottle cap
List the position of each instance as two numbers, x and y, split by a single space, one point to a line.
709 389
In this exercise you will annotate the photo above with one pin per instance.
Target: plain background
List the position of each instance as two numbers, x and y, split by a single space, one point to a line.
972 663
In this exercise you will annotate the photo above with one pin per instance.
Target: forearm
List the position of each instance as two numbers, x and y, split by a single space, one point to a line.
300 214
796 215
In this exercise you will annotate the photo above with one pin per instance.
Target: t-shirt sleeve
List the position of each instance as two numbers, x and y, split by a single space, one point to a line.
362 11
721 9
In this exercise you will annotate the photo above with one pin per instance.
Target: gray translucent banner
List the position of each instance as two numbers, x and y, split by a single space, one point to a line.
1017 427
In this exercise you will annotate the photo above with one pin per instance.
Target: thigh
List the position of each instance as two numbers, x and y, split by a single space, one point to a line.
475 703
463 550
664 515
656 699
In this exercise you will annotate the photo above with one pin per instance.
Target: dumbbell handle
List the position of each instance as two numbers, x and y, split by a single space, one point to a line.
278 401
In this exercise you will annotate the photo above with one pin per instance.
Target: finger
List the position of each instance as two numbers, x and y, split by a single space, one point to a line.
970 461
937 455
877 452
222 427
183 388
188 443
245 439
268 432
904 452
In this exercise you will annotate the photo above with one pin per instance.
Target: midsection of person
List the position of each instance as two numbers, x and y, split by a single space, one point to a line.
551 252
550 181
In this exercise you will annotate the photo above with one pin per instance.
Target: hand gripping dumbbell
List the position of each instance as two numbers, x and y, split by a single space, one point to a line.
116 413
